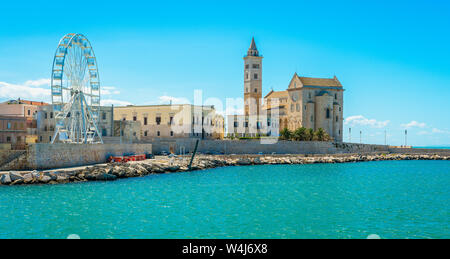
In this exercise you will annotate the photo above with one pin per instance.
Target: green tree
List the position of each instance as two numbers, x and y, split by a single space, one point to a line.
310 134
285 134
320 134
300 134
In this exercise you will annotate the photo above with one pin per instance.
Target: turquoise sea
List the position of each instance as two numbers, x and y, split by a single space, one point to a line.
393 199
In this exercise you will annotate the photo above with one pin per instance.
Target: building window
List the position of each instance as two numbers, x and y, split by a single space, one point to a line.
68 115
134 134
145 120
45 115
124 119
40 138
158 121
255 76
104 132
328 113
236 124
158 133
258 125
8 139
51 115
104 116
298 107
134 118
256 90
335 96
246 75
339 132
19 139
247 66
246 124
312 118
145 133
339 108
292 108
256 66
336 118
9 125
50 138
309 95
45 128
171 133
171 120
29 112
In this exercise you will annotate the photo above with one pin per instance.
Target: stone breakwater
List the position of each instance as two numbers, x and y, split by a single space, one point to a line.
160 165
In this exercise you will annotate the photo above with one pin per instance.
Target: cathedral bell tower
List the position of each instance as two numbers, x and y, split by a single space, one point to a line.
252 80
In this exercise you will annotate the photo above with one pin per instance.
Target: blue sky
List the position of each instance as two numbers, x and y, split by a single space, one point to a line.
393 57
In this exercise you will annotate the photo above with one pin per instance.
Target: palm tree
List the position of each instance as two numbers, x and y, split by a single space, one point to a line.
320 133
310 134
285 134
300 134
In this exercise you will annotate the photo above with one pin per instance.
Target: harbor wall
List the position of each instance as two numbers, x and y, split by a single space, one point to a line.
46 156
180 146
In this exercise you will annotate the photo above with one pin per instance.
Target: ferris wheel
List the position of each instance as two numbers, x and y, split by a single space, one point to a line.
75 88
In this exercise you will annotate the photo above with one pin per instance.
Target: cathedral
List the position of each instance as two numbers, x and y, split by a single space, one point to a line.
307 102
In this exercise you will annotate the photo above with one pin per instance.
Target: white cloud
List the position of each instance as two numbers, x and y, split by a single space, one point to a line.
175 100
28 90
434 130
414 124
109 90
39 82
359 120
109 102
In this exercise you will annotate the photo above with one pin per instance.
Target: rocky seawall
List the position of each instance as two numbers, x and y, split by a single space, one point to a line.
160 165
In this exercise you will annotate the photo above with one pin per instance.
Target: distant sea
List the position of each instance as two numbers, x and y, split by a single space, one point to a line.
436 147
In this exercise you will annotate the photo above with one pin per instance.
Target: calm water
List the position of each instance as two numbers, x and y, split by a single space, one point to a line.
394 199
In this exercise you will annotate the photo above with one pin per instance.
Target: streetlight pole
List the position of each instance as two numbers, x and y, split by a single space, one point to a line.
350 135
360 137
406 137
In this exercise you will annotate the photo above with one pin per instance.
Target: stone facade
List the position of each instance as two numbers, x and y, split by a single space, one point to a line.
307 102
46 122
18 122
173 121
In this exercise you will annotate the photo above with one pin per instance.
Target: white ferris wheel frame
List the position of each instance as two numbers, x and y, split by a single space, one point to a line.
75 89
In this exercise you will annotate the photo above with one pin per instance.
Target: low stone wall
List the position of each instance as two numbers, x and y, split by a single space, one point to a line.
256 146
45 156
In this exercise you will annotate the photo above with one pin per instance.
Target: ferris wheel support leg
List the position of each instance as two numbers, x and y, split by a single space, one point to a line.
83 118
54 135
95 124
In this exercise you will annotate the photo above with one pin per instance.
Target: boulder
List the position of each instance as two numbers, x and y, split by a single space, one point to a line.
45 179
106 177
28 178
5 179
173 168
244 161
15 176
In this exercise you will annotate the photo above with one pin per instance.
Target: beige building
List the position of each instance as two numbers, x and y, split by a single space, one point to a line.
173 121
46 122
18 122
307 102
